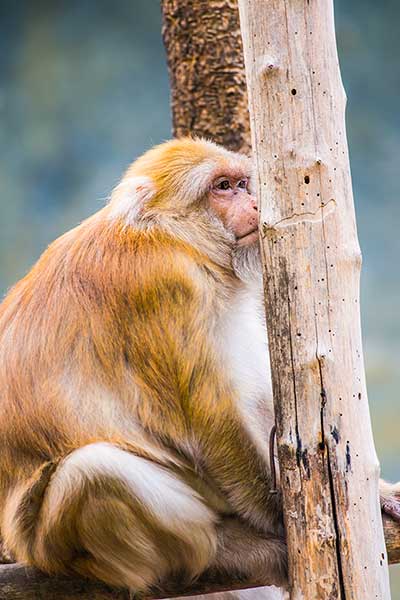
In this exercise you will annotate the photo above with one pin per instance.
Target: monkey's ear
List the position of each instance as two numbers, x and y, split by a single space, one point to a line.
130 197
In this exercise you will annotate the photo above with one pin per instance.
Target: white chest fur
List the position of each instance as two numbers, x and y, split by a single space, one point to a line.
245 352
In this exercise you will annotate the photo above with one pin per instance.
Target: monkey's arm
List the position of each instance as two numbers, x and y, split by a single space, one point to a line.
190 404
233 462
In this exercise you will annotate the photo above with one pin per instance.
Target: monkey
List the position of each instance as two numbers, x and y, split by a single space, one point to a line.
136 389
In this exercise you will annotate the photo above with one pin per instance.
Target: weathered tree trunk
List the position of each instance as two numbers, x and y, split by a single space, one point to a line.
205 60
329 469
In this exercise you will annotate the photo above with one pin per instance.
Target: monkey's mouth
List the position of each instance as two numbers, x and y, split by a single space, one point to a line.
248 238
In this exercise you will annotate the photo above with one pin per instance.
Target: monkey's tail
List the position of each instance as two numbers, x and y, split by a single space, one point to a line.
105 513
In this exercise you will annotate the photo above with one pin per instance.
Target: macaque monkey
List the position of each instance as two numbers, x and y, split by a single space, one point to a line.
136 400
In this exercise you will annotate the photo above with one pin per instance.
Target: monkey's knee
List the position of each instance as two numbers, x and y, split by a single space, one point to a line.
113 516
130 545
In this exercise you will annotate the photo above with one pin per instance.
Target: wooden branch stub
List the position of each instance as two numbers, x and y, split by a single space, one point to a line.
392 539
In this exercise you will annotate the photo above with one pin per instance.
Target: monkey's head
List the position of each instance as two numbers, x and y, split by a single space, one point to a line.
193 187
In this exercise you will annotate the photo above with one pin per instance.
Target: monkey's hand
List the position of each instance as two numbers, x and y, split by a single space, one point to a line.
390 499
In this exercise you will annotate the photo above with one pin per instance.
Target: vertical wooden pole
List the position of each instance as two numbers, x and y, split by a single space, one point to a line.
328 465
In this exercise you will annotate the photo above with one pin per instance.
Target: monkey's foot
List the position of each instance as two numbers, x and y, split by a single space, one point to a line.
390 499
249 554
391 507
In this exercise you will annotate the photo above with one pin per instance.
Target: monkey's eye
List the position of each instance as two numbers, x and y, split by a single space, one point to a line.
242 184
224 185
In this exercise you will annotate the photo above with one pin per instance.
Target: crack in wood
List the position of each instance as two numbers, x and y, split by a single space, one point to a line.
331 484
317 216
298 438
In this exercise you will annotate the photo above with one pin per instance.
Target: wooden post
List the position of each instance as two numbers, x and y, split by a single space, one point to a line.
328 465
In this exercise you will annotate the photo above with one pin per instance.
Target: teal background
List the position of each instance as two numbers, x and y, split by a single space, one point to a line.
84 90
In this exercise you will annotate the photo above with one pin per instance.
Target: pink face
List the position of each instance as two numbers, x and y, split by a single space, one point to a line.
236 207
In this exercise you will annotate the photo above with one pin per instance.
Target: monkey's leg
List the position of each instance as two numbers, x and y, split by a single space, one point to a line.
107 514
244 552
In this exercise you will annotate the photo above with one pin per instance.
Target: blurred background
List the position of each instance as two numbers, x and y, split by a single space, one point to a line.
84 90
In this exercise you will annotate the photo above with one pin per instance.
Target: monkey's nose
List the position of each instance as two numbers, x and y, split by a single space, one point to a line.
253 202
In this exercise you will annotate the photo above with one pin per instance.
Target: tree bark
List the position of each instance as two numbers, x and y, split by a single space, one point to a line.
205 61
328 465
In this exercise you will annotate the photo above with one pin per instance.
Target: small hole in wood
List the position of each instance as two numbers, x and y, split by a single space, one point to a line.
307 179
294 92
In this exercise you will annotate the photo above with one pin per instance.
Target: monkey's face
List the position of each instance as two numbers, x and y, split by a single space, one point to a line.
232 202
